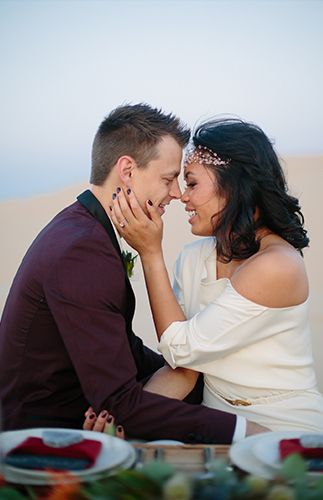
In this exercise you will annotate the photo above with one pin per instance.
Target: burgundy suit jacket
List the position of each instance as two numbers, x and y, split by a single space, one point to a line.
66 341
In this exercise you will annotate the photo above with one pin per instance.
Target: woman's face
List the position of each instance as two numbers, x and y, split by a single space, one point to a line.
201 198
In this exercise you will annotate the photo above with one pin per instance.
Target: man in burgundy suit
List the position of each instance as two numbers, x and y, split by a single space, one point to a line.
66 341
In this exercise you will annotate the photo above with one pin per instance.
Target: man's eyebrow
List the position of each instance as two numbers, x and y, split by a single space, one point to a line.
174 173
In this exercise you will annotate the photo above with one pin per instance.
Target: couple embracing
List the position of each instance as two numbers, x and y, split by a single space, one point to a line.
238 313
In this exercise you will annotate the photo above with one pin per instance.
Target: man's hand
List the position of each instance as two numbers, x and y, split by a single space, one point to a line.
253 428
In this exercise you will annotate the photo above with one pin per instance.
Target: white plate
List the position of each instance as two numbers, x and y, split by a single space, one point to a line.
115 452
164 442
242 455
267 448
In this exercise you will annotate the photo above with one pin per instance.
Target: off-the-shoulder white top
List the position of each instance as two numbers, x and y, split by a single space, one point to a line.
257 361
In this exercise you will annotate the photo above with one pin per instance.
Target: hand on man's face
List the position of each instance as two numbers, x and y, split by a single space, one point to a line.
158 182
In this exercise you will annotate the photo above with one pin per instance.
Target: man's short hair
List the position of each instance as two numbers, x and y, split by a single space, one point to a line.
133 130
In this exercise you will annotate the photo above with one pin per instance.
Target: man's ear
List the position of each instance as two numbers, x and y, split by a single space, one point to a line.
125 167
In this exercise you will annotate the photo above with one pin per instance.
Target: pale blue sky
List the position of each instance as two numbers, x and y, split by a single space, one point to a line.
66 63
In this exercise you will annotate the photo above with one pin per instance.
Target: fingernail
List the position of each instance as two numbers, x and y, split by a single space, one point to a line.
119 428
150 203
103 413
109 419
128 191
110 208
114 196
118 190
91 416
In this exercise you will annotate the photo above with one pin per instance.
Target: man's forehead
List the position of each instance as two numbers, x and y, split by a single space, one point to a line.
170 171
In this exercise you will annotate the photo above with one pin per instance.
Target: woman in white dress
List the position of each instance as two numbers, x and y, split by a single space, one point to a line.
239 310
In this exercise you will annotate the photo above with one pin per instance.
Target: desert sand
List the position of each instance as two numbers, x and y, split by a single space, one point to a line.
21 220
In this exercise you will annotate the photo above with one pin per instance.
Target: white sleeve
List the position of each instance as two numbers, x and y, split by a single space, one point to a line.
240 429
178 284
227 325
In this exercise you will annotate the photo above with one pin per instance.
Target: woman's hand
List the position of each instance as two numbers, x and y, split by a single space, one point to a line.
141 230
103 423
144 234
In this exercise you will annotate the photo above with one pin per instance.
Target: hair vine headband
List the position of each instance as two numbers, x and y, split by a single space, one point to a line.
203 155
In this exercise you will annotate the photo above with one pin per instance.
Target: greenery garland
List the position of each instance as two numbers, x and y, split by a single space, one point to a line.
159 481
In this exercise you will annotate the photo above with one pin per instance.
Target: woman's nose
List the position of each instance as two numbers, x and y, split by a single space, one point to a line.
184 197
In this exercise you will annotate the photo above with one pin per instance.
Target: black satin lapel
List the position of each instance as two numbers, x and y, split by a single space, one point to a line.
93 205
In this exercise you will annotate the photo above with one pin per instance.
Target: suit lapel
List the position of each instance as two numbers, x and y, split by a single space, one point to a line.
92 204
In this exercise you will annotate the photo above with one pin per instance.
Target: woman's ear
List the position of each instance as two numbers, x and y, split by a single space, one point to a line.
125 167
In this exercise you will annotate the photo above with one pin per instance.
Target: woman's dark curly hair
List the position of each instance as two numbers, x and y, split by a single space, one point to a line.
253 178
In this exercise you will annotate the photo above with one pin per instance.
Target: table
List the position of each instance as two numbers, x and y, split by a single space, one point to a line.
184 458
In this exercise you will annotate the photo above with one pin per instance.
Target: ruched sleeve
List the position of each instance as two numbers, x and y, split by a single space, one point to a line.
230 323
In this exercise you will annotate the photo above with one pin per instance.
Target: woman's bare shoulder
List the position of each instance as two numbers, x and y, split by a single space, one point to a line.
274 277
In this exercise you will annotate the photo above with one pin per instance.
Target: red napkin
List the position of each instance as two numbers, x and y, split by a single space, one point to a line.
313 456
33 453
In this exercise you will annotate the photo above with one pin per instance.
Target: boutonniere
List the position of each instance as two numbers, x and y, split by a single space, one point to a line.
129 261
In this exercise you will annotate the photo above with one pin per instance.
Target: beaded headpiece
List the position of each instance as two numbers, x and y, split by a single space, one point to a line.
203 155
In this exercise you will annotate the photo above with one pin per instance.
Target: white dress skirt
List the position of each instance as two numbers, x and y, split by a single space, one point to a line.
257 361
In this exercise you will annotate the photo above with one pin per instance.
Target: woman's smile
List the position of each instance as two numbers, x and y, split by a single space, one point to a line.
201 198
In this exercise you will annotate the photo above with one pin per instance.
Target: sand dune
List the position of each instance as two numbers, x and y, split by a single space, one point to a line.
21 220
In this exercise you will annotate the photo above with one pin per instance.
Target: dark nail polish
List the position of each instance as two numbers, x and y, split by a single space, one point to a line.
91 416
109 419
110 208
103 413
114 196
118 190
119 428
128 191
150 203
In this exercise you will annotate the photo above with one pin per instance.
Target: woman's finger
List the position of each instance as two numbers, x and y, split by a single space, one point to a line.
153 213
116 213
120 432
129 206
99 424
89 421
88 411
110 427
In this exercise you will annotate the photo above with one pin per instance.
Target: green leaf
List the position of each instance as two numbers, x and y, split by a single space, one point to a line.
178 487
11 494
129 261
293 468
158 470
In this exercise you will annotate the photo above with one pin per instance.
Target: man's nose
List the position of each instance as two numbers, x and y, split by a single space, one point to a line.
175 192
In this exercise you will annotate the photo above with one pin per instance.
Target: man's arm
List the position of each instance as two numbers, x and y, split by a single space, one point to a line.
147 361
86 293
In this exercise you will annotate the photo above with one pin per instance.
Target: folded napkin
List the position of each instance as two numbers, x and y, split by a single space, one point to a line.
33 453
313 455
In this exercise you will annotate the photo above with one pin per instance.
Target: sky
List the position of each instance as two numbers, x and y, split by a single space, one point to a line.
65 64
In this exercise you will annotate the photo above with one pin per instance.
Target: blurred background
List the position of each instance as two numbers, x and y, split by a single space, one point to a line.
65 64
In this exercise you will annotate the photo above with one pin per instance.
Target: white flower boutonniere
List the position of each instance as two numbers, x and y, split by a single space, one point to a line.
129 262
